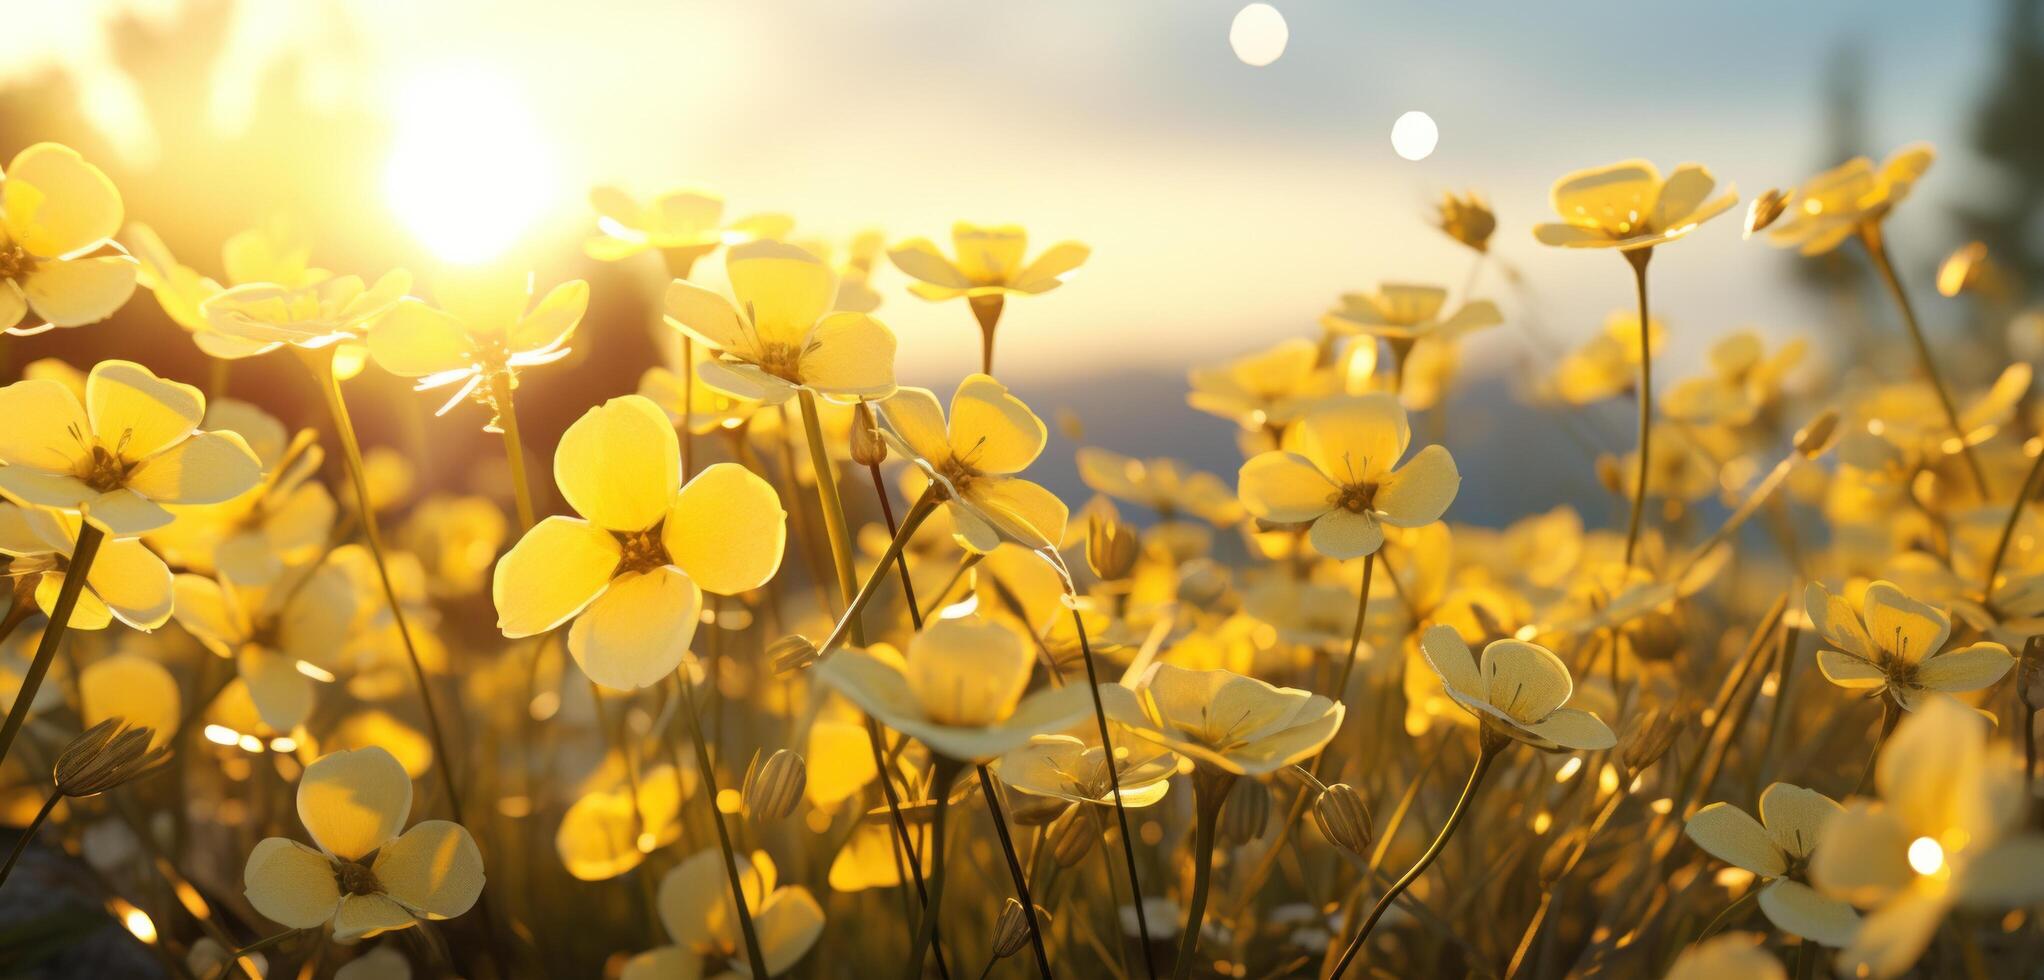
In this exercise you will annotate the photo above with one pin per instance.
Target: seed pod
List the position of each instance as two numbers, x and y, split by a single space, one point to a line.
1344 820
105 756
774 788
1813 439
1011 932
1030 810
1111 548
1246 813
1648 739
791 653
1071 836
1765 210
868 449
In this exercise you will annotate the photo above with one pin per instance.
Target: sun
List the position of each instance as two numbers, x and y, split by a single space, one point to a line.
468 165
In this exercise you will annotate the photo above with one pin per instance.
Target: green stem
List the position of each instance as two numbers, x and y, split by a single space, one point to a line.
28 834
82 553
514 448
1724 916
943 771
1128 847
1638 260
1210 790
987 310
1355 639
986 786
922 509
833 511
1891 713
1484 757
753 955
2008 528
1870 235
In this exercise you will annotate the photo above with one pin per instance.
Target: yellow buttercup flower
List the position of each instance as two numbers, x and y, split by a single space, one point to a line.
486 325
1836 204
1065 767
1889 644
631 570
131 447
1467 219
271 255
990 262
608 832
1744 381
1519 689
1607 365
781 336
456 540
58 215
787 920
1222 720
283 521
1628 206
1777 847
1403 313
317 315
1162 485
973 460
1948 830
855 292
959 690
353 804
126 580
1266 389
269 630
1734 954
699 407
1336 472
683 225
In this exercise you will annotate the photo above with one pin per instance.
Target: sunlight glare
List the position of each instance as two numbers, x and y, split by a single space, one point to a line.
468 164
1258 35
1414 135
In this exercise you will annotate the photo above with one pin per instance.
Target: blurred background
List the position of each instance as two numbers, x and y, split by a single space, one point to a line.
1227 205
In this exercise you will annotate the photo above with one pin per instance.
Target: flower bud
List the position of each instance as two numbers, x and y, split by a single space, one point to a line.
868 449
1963 269
1111 548
1246 813
1648 739
791 653
774 788
1467 219
105 756
1071 836
1344 820
1765 210
1814 439
1611 475
1011 932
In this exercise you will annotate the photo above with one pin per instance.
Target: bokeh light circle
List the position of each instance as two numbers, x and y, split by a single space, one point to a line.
1258 34
1414 135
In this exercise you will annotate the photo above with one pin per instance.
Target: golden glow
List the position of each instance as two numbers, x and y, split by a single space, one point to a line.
136 920
1926 856
1258 35
1414 135
468 170
315 672
221 735
1569 769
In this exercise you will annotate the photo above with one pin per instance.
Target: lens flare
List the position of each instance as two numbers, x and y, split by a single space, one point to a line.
468 170
1414 135
1258 35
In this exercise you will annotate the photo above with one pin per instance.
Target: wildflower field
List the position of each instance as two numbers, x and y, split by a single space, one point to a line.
765 662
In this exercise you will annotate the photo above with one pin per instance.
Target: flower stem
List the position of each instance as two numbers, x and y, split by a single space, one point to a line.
943 772
1870 235
922 509
908 585
987 310
833 512
1128 847
1638 260
1891 713
1355 639
264 943
322 367
1484 757
753 955
514 447
2008 529
28 834
1724 916
986 786
1209 790
82 553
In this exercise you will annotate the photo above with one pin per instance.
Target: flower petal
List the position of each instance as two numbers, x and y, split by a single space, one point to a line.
1419 492
1849 671
1795 818
135 584
362 916
1732 835
553 573
638 630
208 468
918 420
1352 440
1020 510
291 884
1343 534
1049 269
1524 680
788 924
919 258
354 801
434 869
75 292
1797 909
1902 626
56 203
1446 652
1574 728
705 316
42 416
124 513
726 530
556 316
850 355
1967 669
619 464
283 696
784 289
1864 855
1893 937
992 430
138 414
1284 487
414 340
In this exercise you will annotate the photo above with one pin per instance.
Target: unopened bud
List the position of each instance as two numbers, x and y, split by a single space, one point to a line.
1246 813
105 756
1344 820
774 788
791 653
1030 810
1813 439
1071 836
1648 740
1011 932
1765 210
868 449
1111 548
1611 474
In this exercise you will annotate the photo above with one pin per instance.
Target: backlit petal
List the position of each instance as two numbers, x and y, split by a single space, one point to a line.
1732 835
208 468
851 355
638 631
138 414
992 430
74 292
291 884
1284 487
554 572
434 869
353 802
619 464
727 529
1420 491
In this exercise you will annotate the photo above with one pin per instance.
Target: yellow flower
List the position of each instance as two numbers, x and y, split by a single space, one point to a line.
1834 205
1777 847
712 409
631 572
1267 388
456 539
269 630
1467 219
1627 206
353 804
486 324
684 225
1947 830
1743 382
990 263
56 211
270 255
1067 768
1335 472
1734 954
1403 313
283 521
126 581
781 335
972 462
854 275
786 919
313 316
1889 644
1222 720
608 832
1519 690
132 446
1162 485
959 690
1607 364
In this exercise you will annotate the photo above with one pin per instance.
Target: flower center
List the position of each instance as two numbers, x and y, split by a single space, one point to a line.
357 879
782 360
15 262
957 473
1359 498
103 469
643 551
